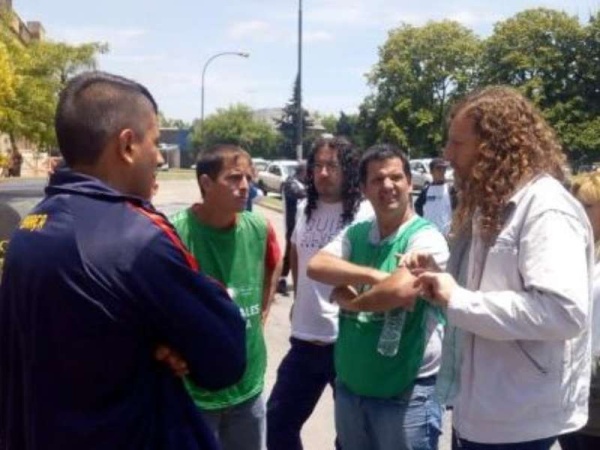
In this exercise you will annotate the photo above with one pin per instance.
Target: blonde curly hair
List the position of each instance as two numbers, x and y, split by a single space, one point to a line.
515 145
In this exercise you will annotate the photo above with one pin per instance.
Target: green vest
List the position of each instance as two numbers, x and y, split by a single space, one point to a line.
358 364
235 257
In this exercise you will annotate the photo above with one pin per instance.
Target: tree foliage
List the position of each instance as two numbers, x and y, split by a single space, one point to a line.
237 125
37 72
420 70
287 126
549 55
553 59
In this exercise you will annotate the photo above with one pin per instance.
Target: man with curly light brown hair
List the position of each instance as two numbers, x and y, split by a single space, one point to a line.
517 295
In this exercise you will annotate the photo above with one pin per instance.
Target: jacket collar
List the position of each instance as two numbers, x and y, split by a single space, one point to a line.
67 181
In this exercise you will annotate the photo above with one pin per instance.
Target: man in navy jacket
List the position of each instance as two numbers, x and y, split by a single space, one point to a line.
95 281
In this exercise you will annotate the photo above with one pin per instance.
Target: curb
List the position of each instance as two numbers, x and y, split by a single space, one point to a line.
271 207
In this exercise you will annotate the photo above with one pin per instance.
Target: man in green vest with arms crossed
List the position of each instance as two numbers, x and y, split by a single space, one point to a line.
388 350
239 249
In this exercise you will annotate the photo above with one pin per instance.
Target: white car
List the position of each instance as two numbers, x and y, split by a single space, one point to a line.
421 174
272 178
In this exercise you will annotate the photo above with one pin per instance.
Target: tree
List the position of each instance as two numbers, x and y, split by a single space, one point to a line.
41 70
165 122
237 125
347 126
329 122
542 53
7 81
287 126
419 72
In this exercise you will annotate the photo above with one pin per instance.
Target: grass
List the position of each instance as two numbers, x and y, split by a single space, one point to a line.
177 174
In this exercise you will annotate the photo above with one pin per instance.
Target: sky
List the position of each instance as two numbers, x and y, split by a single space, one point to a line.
165 44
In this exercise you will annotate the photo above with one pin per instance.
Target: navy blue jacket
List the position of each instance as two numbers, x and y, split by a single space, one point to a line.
93 281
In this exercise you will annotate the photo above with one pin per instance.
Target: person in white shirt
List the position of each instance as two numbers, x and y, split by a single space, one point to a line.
333 202
437 200
517 295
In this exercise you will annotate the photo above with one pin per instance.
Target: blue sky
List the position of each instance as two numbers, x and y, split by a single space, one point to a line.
164 44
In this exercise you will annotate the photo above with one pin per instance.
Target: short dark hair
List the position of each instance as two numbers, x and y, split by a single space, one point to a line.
92 108
438 162
381 152
211 161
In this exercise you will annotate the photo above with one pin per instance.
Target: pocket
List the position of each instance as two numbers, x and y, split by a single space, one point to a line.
537 354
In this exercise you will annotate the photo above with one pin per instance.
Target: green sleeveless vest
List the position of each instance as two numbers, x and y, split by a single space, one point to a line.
358 364
235 257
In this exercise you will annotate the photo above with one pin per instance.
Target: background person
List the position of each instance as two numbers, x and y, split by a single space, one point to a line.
586 189
438 198
294 190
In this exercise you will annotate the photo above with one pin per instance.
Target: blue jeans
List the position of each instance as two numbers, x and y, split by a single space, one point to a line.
301 378
411 421
540 444
239 427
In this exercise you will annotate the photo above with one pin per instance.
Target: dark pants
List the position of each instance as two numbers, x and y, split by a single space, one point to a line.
579 441
301 378
291 207
540 444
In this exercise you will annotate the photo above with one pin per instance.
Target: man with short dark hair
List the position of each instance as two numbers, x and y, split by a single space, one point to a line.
96 283
387 354
239 249
438 198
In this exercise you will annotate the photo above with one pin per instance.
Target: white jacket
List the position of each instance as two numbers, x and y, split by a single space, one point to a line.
525 366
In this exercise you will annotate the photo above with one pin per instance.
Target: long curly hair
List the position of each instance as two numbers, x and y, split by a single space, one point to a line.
348 159
515 145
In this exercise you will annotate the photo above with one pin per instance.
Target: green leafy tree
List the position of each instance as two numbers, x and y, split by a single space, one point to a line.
41 70
165 122
582 136
329 122
419 72
288 128
237 125
548 55
7 81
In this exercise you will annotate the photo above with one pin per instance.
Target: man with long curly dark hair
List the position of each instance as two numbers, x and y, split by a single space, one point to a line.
333 201
516 359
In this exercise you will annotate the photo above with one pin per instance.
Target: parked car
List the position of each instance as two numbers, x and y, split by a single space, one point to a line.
16 200
421 175
272 178
260 164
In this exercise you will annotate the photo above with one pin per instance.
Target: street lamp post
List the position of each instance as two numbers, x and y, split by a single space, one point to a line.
299 112
242 54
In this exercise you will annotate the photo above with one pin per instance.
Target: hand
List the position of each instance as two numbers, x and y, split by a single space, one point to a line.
172 359
377 276
398 290
418 262
437 288
344 296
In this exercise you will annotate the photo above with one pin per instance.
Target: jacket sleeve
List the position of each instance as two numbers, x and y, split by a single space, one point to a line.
554 301
420 201
190 313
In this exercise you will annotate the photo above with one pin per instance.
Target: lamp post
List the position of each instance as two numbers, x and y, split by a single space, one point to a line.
299 115
242 54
